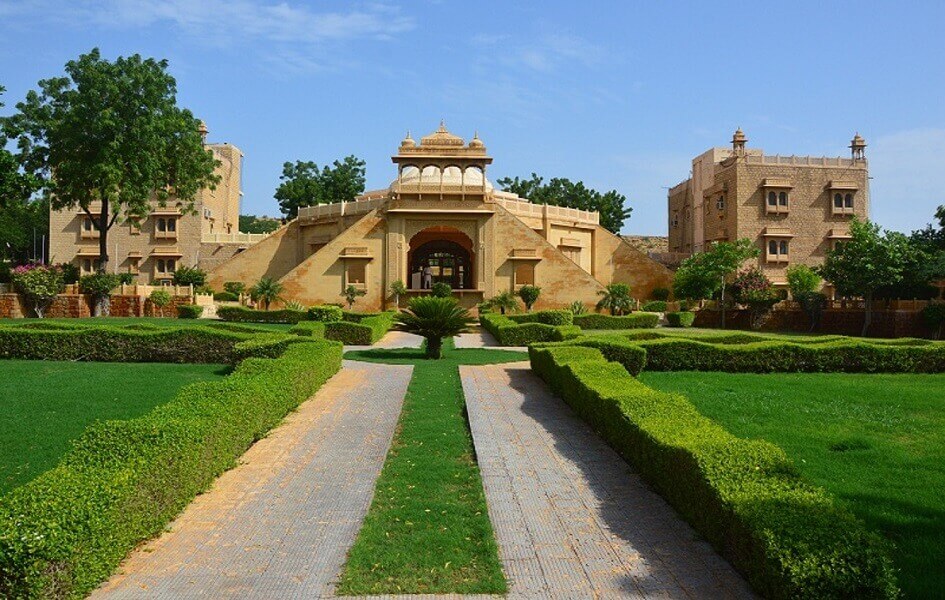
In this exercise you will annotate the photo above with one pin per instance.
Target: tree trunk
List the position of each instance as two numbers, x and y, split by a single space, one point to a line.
434 347
723 302
868 317
102 301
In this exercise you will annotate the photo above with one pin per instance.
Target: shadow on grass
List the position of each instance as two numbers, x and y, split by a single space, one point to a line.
451 356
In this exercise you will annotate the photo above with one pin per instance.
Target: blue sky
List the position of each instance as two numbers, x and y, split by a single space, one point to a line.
619 94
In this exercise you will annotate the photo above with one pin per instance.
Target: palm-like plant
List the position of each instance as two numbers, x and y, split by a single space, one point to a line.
398 289
267 290
434 319
351 295
504 302
616 298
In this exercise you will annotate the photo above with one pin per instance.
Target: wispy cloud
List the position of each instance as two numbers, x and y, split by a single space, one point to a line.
543 54
284 29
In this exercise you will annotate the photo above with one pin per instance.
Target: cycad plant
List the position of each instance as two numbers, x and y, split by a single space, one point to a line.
616 298
434 319
504 302
267 291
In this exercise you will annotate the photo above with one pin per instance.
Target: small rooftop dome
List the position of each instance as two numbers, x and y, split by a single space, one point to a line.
408 142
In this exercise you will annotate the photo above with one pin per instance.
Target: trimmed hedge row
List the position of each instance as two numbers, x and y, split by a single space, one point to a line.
309 329
105 343
367 330
189 311
790 539
601 321
680 319
547 317
510 333
325 313
773 356
657 306
123 481
241 314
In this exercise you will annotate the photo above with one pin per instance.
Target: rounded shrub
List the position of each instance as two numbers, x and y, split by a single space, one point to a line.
441 290
226 297
654 306
680 319
325 313
189 311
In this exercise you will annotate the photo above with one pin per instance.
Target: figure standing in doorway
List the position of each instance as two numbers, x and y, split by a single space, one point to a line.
427 277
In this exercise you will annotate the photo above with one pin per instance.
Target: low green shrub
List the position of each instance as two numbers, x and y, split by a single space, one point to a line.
105 343
619 350
241 314
511 333
657 306
660 293
325 313
601 321
546 317
226 297
778 356
368 329
123 481
790 539
309 329
680 319
189 311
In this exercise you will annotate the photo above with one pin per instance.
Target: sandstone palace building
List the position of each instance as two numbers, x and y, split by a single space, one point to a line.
441 212
795 208
152 248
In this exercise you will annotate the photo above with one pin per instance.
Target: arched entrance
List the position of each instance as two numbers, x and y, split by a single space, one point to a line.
448 254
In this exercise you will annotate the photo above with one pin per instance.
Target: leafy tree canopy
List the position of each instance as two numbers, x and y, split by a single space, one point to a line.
703 274
20 216
254 224
110 132
563 192
305 184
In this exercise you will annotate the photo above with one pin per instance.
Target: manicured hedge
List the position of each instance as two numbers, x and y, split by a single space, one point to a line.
226 297
601 321
773 356
546 317
106 343
790 539
189 311
325 313
123 481
658 306
369 328
613 348
309 329
241 314
510 333
680 319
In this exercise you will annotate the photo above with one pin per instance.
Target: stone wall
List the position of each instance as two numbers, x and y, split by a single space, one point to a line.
168 311
886 323
69 306
12 306
72 306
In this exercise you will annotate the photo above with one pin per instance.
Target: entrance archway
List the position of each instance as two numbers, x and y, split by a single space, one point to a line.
448 254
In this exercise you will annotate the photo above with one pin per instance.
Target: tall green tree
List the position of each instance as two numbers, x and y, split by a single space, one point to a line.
20 215
563 192
867 261
254 224
305 184
109 135
706 274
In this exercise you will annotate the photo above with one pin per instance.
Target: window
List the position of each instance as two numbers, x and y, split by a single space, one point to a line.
356 272
843 203
166 227
524 274
675 220
134 226
777 201
88 266
778 250
166 266
133 264
572 252
720 204
88 228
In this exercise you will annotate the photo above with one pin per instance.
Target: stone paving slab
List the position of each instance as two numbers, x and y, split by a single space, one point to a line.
392 339
572 518
280 524
480 338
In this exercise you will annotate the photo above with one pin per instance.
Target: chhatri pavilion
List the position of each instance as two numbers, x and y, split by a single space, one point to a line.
443 216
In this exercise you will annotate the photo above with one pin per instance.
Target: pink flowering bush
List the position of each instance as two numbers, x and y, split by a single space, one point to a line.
39 285
753 289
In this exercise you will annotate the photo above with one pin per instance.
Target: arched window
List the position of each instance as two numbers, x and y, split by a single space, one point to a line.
838 200
773 247
772 199
784 247
848 201
782 198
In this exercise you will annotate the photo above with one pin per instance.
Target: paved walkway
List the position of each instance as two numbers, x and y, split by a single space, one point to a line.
480 338
571 517
280 524
392 339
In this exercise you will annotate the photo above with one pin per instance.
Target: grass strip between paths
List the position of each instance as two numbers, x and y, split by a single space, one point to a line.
428 528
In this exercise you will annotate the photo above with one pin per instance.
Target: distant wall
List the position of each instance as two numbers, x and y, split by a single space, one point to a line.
886 323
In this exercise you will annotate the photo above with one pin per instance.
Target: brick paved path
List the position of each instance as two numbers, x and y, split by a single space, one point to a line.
480 338
280 524
571 517
393 339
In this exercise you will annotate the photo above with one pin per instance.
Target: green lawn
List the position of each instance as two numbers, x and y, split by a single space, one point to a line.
46 404
875 441
428 529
